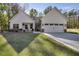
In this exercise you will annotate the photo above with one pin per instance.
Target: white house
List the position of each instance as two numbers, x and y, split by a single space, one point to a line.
22 21
53 21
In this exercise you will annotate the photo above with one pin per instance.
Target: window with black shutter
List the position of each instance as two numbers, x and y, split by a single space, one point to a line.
16 26
31 26
26 27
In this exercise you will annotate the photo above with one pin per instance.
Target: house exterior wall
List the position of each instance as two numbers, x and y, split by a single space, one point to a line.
20 18
53 17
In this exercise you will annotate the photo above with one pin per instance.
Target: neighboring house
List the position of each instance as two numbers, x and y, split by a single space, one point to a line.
53 21
21 21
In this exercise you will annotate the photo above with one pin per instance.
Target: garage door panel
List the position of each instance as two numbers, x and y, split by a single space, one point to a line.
53 28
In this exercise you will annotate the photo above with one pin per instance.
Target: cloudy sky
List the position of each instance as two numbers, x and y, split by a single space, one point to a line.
41 6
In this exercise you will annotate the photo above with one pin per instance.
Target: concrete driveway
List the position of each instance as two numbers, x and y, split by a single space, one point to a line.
68 39
68 36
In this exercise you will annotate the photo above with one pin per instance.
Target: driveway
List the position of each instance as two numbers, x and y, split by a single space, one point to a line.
68 36
68 39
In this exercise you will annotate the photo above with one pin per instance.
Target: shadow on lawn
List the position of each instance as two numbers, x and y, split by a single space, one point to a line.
19 40
2 46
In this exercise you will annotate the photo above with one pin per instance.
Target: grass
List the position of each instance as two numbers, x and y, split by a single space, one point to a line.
29 44
19 40
5 48
73 31
42 46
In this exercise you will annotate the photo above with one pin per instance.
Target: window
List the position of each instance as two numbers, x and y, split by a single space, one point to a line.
61 24
26 27
15 26
56 24
23 24
51 24
31 25
46 24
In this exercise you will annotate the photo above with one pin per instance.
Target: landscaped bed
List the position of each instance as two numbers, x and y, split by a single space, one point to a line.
29 44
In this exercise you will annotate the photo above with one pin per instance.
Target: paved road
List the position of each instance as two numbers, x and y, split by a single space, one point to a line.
68 39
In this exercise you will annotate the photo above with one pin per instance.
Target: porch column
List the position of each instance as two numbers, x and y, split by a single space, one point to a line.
28 26
33 26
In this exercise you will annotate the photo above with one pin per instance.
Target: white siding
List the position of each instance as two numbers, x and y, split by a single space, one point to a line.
20 18
54 17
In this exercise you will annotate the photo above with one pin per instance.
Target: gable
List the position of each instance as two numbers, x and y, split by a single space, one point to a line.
54 16
21 17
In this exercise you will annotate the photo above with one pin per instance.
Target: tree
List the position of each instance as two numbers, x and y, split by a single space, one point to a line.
2 16
65 14
3 21
11 10
49 8
72 19
2 7
40 14
33 13
15 9
72 12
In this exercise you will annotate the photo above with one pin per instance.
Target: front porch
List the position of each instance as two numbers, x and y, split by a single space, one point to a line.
22 27
27 27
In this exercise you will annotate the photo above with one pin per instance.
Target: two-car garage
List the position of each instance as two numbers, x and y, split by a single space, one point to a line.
53 21
53 27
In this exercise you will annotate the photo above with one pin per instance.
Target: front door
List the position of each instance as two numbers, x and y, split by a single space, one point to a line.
27 27
31 27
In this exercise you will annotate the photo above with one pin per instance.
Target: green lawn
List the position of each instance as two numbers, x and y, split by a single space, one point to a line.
29 44
19 40
5 48
42 46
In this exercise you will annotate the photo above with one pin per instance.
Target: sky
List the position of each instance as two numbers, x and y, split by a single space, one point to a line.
41 6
